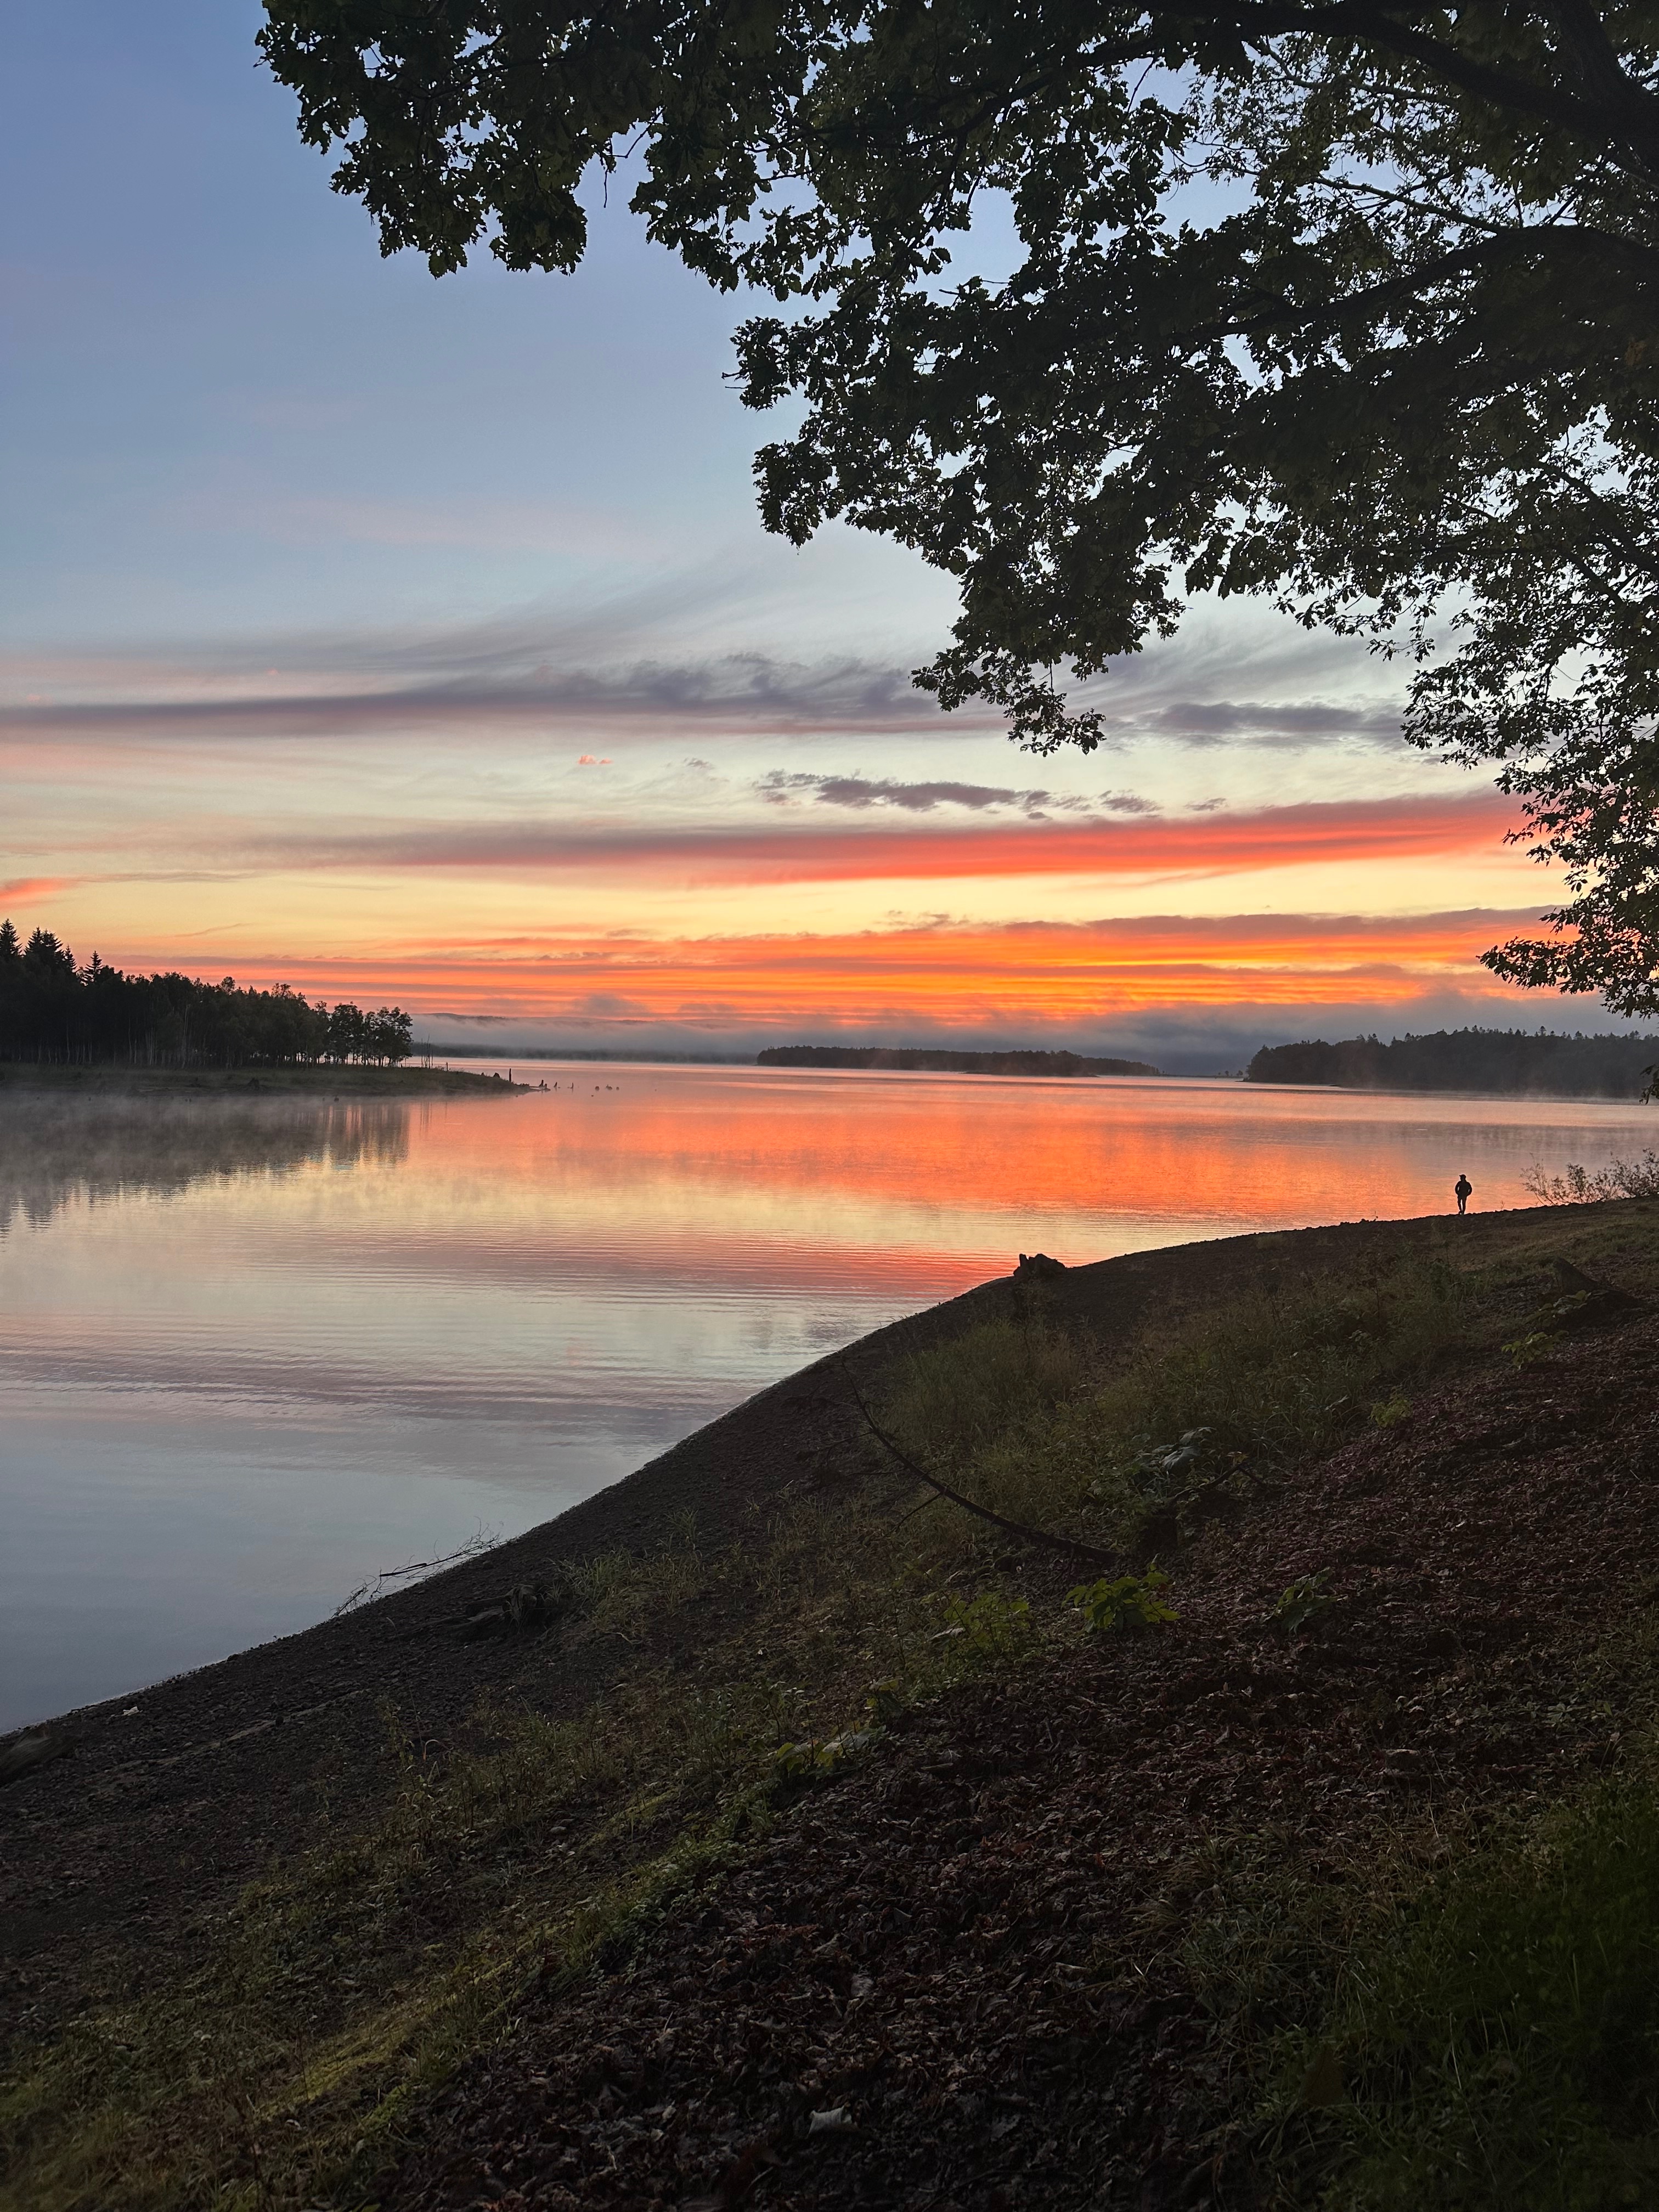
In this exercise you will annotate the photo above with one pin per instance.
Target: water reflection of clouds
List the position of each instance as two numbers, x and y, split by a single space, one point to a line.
57 1149
240 1373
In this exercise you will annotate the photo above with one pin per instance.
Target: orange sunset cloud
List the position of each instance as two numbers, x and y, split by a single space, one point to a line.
1038 973
1202 844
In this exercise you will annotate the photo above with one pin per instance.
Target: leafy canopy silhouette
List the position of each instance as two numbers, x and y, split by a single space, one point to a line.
1353 305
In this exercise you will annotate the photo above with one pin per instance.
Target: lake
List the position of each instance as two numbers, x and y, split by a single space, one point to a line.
254 1352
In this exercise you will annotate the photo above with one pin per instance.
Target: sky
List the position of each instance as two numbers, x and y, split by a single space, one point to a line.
416 641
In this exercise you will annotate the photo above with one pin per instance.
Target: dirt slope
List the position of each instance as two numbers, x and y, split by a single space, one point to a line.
968 1949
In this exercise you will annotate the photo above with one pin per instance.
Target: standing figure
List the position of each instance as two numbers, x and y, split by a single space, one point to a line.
1461 1190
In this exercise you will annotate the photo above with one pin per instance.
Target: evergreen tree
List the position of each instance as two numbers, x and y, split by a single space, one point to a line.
50 1010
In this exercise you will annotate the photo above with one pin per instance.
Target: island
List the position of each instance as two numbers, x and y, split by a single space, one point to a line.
928 1059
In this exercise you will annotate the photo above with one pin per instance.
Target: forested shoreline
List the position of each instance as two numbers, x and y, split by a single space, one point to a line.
1507 1062
56 1011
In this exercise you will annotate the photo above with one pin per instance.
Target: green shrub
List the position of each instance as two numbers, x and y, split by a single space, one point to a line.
1527 1350
1500 2050
1582 1186
1129 1601
815 1758
1298 1604
991 1625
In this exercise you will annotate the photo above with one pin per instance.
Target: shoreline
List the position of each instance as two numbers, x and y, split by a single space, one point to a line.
711 1471
242 1083
415 1082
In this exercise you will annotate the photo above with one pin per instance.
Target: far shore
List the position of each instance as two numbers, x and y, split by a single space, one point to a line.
325 1082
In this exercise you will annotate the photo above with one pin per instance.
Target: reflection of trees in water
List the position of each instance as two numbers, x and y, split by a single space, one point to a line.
53 1152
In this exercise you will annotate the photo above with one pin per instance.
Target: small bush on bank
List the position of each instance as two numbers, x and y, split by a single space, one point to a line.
991 1625
1582 1186
1125 1602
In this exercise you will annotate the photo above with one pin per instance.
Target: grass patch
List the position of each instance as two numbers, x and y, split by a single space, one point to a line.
1510 2048
988 1389
1045 1429
1447 2021
1461 2012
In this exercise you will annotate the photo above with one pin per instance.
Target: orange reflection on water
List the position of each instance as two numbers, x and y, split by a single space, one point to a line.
891 1178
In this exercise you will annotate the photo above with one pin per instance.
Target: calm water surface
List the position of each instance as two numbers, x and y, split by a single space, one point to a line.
253 1353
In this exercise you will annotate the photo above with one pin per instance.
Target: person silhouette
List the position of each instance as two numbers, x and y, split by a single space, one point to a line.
1460 1191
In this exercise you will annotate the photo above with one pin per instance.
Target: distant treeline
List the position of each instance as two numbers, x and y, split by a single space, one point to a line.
1509 1062
947 1063
53 1009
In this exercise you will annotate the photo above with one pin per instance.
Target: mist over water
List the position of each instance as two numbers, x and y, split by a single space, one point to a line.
253 1352
56 1151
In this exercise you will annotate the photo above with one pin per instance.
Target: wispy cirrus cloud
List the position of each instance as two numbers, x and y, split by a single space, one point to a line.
742 690
751 691
1213 722
670 650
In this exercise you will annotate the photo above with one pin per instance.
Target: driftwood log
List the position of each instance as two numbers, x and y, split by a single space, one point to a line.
1071 1546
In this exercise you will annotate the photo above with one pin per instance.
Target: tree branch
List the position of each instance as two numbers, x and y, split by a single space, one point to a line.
1631 120
1070 1544
1484 252
1583 31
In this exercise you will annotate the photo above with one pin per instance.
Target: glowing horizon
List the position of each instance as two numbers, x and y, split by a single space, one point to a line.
1035 981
